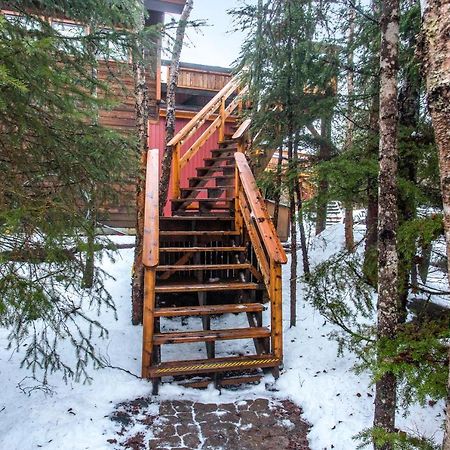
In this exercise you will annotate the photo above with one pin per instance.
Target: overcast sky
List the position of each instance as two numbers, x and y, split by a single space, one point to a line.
215 44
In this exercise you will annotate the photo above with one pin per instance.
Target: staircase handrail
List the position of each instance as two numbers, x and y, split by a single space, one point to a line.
258 211
217 104
203 115
150 252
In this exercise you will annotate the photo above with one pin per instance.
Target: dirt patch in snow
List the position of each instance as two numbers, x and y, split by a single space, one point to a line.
259 424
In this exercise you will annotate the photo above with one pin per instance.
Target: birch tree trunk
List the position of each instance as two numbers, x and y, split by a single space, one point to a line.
349 238
387 310
435 52
170 104
141 107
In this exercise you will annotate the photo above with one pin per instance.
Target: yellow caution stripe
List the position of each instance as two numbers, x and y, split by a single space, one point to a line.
221 365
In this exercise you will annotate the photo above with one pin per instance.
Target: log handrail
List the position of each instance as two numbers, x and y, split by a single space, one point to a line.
244 127
150 252
204 113
258 211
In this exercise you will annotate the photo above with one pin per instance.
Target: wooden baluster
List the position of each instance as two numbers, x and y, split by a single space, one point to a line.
176 171
238 220
222 121
241 145
276 309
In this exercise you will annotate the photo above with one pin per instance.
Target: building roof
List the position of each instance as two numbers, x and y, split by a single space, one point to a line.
199 67
169 6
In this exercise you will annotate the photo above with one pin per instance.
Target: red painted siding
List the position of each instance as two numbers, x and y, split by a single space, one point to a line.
157 139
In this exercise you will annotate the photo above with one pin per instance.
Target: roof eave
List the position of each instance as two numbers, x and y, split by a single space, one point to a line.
174 6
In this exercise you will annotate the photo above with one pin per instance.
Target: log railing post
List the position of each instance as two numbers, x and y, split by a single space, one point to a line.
276 310
238 219
176 171
148 320
150 257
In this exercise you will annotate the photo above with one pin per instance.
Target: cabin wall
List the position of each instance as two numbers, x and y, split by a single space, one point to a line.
120 80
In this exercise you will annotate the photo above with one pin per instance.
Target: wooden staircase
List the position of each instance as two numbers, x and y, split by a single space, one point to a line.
218 254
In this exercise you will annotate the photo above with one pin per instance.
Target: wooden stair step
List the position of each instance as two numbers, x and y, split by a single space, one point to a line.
199 233
222 382
203 200
221 151
186 337
211 191
218 159
207 188
216 168
219 180
237 363
209 310
195 267
195 218
201 249
186 287
216 212
228 142
212 177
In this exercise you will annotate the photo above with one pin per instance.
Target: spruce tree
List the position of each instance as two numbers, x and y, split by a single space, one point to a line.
53 156
289 76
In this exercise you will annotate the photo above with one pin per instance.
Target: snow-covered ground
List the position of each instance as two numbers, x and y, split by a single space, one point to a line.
336 401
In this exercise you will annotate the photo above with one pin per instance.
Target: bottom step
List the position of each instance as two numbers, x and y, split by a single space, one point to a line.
213 365
222 382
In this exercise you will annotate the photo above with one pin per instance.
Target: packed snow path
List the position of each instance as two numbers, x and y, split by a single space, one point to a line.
335 401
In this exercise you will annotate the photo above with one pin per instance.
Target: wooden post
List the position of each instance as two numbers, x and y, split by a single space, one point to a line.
149 320
222 120
276 309
238 220
176 171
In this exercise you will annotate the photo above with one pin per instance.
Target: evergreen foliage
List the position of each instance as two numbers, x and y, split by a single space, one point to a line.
55 159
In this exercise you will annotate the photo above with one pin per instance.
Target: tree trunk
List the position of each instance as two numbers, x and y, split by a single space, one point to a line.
171 103
294 260
292 175
301 225
387 311
324 155
348 222
435 48
409 110
141 106
370 249
278 183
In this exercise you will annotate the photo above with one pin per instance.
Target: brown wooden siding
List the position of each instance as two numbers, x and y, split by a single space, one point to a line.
207 81
119 78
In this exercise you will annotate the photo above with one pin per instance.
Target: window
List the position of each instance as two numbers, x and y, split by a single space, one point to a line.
71 31
115 52
28 23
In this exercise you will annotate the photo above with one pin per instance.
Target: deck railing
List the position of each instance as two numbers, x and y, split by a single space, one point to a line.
217 106
150 255
251 210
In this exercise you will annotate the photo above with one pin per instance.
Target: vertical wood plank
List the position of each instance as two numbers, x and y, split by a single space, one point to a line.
238 220
176 171
222 121
149 321
276 309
